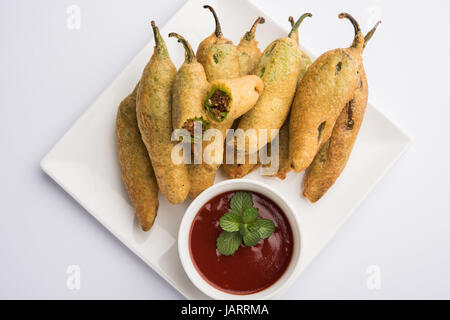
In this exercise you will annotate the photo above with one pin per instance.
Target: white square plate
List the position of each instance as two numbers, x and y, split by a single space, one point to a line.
84 162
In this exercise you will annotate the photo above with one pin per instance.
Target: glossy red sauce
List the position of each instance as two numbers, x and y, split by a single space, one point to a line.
249 269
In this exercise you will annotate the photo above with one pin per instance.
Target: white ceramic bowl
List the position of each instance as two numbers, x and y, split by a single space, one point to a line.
276 289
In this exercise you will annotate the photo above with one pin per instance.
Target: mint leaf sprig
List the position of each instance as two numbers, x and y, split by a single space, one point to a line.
242 225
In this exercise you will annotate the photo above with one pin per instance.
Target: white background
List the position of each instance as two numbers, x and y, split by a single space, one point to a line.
50 74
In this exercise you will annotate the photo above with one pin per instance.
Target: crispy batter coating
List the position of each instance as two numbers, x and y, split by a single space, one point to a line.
284 165
249 52
218 55
279 68
236 171
137 171
202 175
189 89
333 156
243 92
154 113
327 86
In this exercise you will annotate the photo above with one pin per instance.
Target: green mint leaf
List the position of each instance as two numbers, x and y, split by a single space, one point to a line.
243 229
242 225
251 238
240 201
264 227
228 242
230 222
250 215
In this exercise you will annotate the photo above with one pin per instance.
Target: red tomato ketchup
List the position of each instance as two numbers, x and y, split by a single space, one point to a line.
249 269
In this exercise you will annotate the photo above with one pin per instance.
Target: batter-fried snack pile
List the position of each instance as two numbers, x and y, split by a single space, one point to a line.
314 109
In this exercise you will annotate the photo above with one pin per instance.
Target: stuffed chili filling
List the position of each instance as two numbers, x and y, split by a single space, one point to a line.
191 125
218 104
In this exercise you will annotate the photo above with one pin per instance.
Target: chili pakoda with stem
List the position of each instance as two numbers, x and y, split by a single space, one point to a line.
334 154
189 91
239 170
249 52
218 55
154 115
327 86
279 68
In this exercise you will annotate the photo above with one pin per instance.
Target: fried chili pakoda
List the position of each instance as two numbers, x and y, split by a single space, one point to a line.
284 160
334 154
327 86
306 60
239 170
154 114
137 172
218 55
189 91
249 52
279 68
